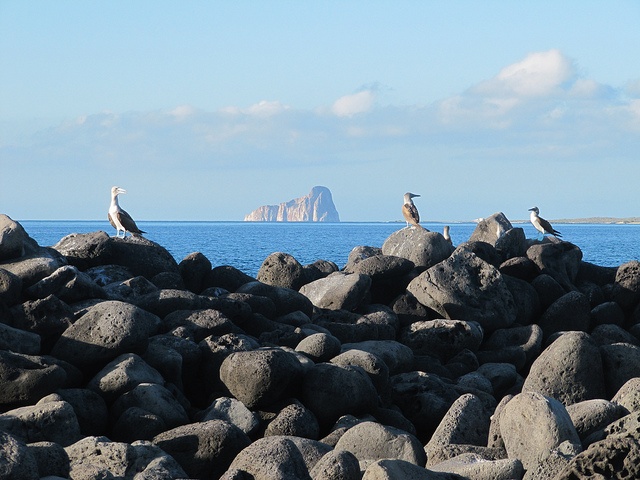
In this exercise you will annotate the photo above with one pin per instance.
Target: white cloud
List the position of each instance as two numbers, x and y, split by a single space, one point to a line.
538 74
264 108
350 105
182 112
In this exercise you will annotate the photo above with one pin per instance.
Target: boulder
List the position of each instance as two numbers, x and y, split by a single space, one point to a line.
48 317
10 287
389 469
511 244
278 458
379 267
520 267
370 441
519 345
395 355
226 277
294 419
471 465
338 291
45 421
193 269
465 287
89 407
260 377
375 367
591 416
25 379
16 459
569 312
569 370
331 391
628 396
286 300
621 363
533 425
418 245
549 290
34 266
232 411
526 299
51 459
19 341
199 324
336 465
561 260
281 270
444 338
491 229
319 347
466 422
106 331
98 457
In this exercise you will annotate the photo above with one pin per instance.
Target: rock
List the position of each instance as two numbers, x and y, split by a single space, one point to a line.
317 206
370 441
591 416
490 229
281 270
193 269
336 465
400 469
554 463
14 240
626 289
532 425
155 399
379 267
279 458
25 379
286 300
628 396
621 363
502 376
98 457
135 424
466 422
106 331
68 284
569 312
512 244
520 267
338 291
376 323
549 290
518 345
359 253
319 347
89 407
203 449
482 250
424 399
616 459
607 313
464 287
409 310
444 338
19 341
418 245
398 357
48 421
331 391
232 411
260 377
608 334
199 323
561 260
227 277
121 375
51 459
526 299
10 287
470 465
34 266
294 419
47 317
569 370
375 367
16 459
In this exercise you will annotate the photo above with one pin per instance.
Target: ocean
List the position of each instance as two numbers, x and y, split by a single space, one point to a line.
245 245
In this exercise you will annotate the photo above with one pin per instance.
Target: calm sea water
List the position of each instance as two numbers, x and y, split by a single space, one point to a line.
245 245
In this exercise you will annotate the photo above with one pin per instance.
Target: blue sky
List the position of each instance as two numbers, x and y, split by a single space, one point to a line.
207 110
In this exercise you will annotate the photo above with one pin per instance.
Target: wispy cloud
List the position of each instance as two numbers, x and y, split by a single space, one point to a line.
350 105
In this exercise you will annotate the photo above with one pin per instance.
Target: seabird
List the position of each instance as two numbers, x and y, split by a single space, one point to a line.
120 219
409 210
542 225
445 234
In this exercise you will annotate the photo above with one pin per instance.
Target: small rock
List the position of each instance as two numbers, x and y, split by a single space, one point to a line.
17 461
319 347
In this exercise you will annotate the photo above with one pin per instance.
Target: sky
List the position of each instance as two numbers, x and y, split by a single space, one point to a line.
207 110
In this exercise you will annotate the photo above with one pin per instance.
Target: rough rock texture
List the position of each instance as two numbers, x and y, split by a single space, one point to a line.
317 206
506 358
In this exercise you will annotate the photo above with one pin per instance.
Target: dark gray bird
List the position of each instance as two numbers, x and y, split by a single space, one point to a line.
541 224
120 219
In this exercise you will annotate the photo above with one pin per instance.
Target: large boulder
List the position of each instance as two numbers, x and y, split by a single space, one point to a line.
16 459
465 287
569 370
14 240
440 337
420 246
281 270
338 291
561 260
491 229
107 330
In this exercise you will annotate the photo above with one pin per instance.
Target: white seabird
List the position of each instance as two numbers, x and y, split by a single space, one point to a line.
445 234
540 224
120 219
409 210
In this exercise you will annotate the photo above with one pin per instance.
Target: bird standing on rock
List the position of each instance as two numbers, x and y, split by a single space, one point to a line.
409 210
120 219
542 225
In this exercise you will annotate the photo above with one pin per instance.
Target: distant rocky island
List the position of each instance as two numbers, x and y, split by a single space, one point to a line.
317 206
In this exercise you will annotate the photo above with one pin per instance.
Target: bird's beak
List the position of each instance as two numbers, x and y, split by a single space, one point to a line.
122 190
530 210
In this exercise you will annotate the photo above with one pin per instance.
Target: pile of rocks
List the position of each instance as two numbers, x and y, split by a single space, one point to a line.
504 358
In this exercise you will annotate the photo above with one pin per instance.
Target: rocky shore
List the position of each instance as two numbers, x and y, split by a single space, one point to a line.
501 358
